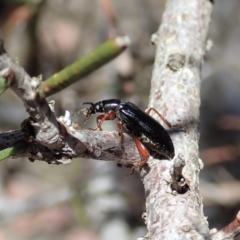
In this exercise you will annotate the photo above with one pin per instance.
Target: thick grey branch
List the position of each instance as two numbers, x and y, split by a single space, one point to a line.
175 90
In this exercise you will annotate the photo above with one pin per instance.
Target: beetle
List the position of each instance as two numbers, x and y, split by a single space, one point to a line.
148 134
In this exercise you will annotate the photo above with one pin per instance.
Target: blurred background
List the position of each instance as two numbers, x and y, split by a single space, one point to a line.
93 200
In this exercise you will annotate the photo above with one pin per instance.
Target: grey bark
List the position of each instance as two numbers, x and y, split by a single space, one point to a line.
175 92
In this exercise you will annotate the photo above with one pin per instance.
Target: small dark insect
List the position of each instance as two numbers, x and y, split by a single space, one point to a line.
146 131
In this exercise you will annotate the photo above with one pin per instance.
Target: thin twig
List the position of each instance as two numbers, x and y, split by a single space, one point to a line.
48 138
42 119
229 232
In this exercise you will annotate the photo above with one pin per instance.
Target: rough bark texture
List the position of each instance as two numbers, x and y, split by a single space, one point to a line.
175 92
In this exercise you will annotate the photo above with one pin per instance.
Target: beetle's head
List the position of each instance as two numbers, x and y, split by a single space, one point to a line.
92 109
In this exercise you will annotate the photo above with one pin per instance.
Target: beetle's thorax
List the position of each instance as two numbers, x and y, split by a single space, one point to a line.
109 105
98 107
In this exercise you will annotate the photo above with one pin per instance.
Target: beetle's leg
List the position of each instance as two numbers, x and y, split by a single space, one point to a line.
111 115
99 122
143 151
148 110
131 172
120 126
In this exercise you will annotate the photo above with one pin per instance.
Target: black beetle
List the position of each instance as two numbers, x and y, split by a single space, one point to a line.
147 132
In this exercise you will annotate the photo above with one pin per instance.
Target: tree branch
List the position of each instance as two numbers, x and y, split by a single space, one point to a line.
175 89
230 231
58 140
42 119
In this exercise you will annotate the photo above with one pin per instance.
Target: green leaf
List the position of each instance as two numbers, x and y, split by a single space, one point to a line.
3 85
11 151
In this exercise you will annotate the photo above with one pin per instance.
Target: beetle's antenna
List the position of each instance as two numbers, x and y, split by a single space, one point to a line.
89 103
87 112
